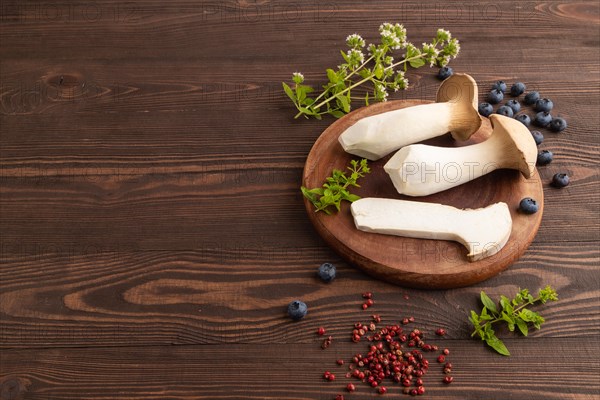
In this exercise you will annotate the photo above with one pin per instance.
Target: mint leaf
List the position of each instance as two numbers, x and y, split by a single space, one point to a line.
288 90
487 302
497 345
332 76
522 325
417 63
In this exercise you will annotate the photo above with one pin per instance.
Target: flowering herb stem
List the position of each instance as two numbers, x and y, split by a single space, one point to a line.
368 78
376 69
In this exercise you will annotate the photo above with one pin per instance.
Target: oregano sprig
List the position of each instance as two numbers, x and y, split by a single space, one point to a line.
336 187
512 312
374 70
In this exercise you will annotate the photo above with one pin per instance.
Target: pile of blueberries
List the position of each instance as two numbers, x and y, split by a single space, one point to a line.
542 106
512 109
543 119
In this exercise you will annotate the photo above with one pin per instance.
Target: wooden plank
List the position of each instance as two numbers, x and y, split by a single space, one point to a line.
206 201
107 296
293 371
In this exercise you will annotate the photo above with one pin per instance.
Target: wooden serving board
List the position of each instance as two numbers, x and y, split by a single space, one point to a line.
420 263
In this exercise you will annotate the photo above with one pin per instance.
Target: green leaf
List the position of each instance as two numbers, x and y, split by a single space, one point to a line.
528 315
337 113
307 89
506 304
351 197
288 90
379 71
522 325
417 63
332 76
365 73
487 302
300 94
344 103
497 345
344 55
306 111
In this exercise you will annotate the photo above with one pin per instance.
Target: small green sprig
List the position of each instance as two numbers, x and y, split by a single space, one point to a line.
513 312
374 70
336 187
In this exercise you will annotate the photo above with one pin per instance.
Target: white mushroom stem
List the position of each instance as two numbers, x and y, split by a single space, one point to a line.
378 135
482 231
421 170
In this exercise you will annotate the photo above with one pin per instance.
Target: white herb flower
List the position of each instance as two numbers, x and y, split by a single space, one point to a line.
355 57
443 61
297 77
381 93
444 35
355 41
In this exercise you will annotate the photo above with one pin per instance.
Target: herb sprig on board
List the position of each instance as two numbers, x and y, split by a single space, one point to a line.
512 312
336 187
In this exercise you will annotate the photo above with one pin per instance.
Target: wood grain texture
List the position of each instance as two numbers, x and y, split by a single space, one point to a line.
240 371
152 230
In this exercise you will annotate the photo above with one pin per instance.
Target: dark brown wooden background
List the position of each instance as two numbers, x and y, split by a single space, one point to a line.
152 227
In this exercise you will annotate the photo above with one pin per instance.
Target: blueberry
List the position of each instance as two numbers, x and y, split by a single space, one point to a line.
326 272
445 72
560 180
524 119
531 98
297 310
505 110
515 105
528 206
499 85
544 105
544 157
543 118
538 137
495 96
517 89
558 124
485 109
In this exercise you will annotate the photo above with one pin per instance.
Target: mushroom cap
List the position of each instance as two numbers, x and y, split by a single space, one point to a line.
458 88
516 142
461 90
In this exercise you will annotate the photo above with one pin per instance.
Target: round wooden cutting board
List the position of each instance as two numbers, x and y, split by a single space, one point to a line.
420 263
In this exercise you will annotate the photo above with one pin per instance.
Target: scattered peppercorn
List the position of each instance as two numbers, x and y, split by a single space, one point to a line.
327 342
321 331
440 332
388 356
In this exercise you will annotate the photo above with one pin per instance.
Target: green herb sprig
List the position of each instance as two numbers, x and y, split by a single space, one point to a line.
513 312
376 68
336 187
